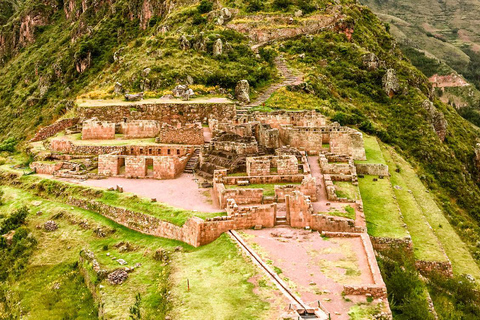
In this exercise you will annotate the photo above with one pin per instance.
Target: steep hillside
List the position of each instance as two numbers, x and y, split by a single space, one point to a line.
54 52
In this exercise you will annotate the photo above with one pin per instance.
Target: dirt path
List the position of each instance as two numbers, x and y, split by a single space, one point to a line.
182 192
289 79
315 268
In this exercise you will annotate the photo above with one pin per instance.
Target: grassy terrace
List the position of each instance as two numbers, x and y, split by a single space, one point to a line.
348 213
61 189
54 262
268 189
455 248
372 150
425 243
347 190
381 210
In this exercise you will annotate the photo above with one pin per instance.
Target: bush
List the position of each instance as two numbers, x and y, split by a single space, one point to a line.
205 6
254 5
14 221
282 4
8 145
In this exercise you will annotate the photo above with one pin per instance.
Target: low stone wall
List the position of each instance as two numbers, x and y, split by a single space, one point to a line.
46 168
383 243
307 187
233 180
374 169
188 134
324 222
168 112
90 269
53 129
195 231
241 196
442 267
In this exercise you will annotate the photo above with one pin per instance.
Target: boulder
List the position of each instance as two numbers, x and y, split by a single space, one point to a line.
371 61
146 72
134 97
118 89
184 43
242 91
390 82
218 47
436 119
50 225
298 13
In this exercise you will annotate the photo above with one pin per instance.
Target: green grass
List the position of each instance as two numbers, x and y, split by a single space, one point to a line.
347 190
372 150
56 253
219 285
425 243
268 189
118 141
348 213
381 211
456 250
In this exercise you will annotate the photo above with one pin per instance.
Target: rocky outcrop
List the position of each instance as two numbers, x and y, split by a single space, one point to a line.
242 91
371 62
390 82
436 118
218 47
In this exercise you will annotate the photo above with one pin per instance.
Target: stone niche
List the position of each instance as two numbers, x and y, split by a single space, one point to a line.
191 134
137 129
98 130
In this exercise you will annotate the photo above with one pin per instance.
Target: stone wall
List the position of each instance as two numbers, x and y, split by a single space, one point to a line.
46 168
137 129
307 187
383 243
442 267
168 112
236 147
191 134
108 165
135 167
66 146
268 137
348 143
242 196
258 166
345 168
271 179
296 118
168 167
98 130
374 169
53 129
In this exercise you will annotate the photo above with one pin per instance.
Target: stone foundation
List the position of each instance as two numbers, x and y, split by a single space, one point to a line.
53 129
46 168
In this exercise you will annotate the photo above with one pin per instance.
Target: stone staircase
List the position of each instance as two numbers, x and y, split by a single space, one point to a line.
192 162
289 79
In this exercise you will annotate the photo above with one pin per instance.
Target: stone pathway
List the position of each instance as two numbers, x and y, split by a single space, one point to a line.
289 79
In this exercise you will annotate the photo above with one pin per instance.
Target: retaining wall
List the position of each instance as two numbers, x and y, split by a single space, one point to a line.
53 129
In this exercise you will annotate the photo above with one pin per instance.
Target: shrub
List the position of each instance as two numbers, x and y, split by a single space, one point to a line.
14 221
8 145
254 5
205 6
282 4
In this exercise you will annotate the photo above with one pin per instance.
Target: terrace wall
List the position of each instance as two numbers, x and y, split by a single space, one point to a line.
46 168
135 167
168 112
374 169
53 129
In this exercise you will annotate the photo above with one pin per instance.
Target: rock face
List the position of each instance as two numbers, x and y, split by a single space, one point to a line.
242 91
184 43
218 47
390 82
184 92
371 61
118 89
437 119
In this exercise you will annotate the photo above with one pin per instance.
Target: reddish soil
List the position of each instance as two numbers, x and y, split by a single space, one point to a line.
182 192
316 268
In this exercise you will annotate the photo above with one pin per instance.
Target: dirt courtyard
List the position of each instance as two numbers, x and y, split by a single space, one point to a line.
315 268
182 192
